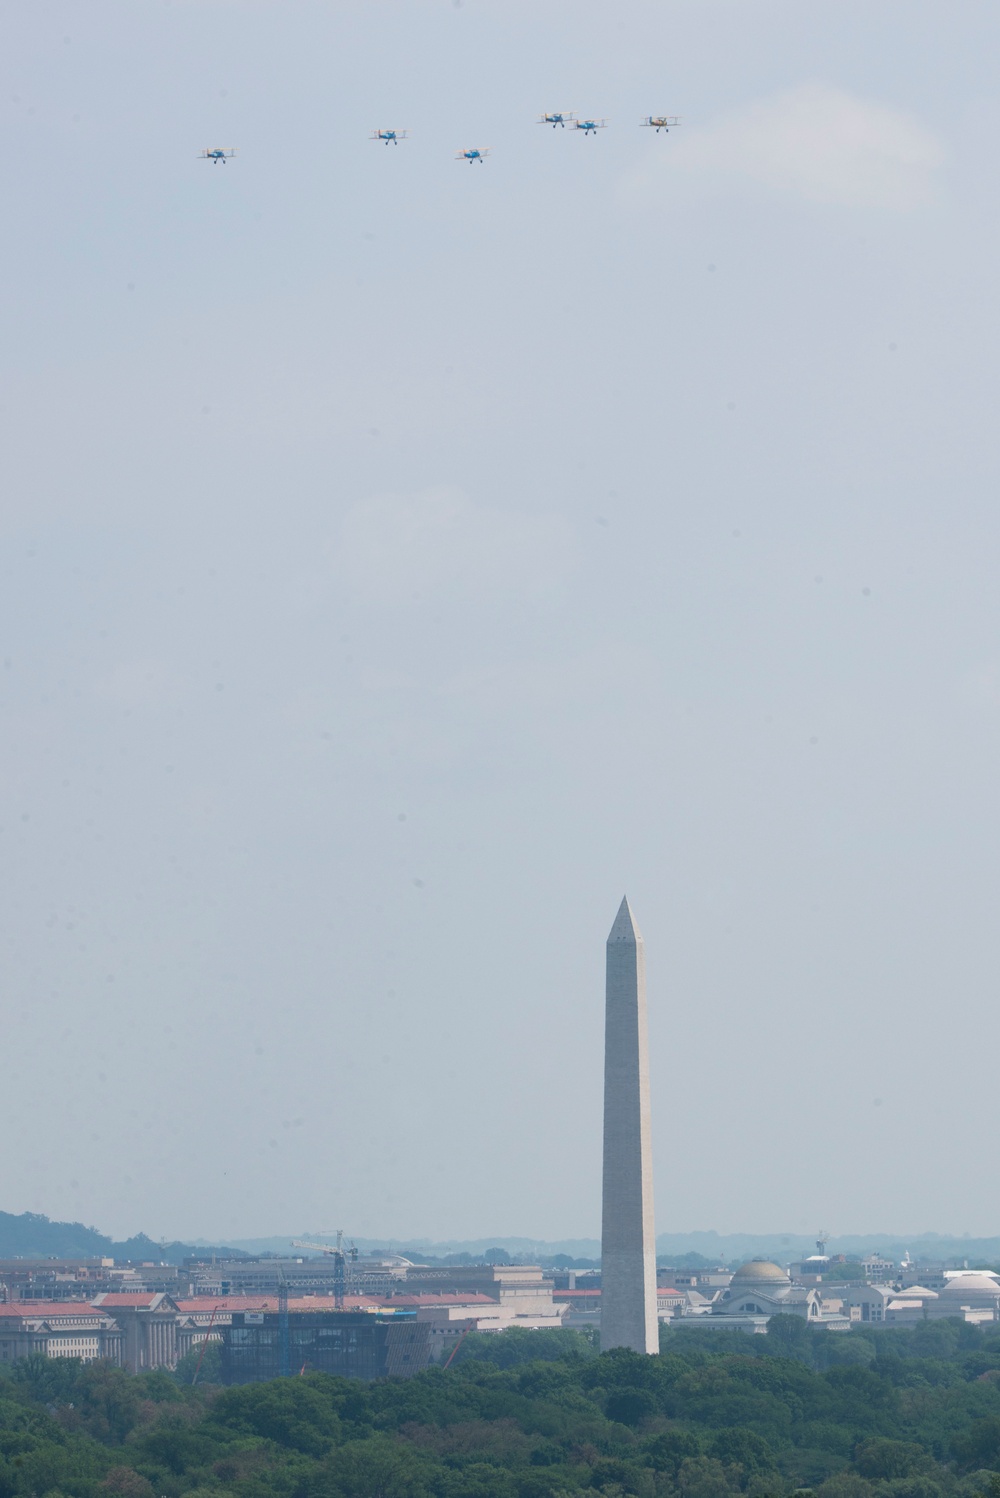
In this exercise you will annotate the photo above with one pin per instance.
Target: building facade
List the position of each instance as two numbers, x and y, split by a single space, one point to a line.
352 1344
520 1289
58 1329
148 1328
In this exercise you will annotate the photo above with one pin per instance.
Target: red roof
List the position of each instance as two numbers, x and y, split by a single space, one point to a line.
49 1309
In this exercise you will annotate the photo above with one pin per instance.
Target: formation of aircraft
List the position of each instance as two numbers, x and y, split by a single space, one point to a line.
557 120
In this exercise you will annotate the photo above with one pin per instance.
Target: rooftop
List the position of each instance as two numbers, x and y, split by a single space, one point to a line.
50 1310
756 1271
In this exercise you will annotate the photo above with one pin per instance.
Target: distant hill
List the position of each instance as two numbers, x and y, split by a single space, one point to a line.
732 1248
679 1248
33 1236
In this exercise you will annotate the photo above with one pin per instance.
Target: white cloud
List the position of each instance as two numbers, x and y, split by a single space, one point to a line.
401 547
813 142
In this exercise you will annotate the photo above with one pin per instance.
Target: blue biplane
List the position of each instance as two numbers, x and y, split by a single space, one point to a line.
216 154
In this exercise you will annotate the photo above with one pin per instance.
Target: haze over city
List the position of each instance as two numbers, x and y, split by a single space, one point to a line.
401 561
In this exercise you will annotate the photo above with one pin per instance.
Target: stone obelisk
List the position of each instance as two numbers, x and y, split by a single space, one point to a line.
628 1240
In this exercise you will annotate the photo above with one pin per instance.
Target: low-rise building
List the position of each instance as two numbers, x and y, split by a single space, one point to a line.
58 1329
909 1305
148 1326
705 1281
669 1302
878 1270
315 1276
79 1279
933 1276
522 1289
352 1344
972 1296
866 1304
759 1290
811 1270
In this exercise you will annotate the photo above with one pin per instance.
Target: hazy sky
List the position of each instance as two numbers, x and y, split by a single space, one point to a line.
401 559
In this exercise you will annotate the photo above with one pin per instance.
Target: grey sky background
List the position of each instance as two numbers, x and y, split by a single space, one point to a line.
401 559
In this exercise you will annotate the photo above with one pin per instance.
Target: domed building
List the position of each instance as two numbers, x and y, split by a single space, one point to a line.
969 1295
759 1272
760 1289
969 1292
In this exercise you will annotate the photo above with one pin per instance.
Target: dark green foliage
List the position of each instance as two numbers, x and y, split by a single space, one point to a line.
377 1468
890 1459
520 1346
630 1406
744 1448
294 1412
667 1451
126 1482
911 1413
845 1485
910 1487
789 1336
704 1477
979 1444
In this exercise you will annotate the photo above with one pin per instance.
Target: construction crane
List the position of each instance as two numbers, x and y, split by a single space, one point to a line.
340 1256
284 1366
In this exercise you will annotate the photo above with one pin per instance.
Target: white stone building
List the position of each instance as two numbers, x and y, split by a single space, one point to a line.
759 1290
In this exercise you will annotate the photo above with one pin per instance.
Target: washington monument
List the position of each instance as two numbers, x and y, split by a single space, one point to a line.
628 1240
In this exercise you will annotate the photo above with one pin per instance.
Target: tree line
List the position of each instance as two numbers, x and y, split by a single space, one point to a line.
901 1413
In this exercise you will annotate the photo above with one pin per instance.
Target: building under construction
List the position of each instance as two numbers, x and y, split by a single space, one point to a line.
259 1345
